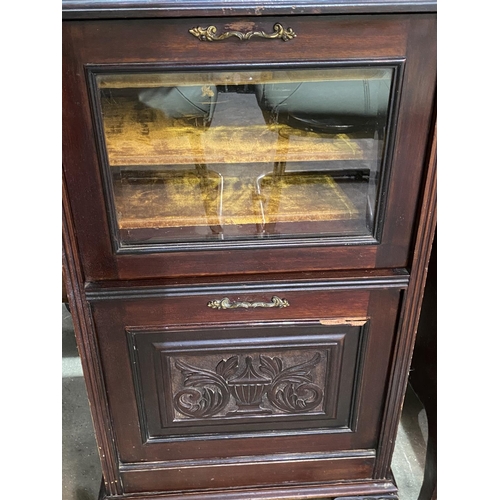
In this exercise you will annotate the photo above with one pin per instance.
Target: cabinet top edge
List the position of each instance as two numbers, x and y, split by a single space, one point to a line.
122 9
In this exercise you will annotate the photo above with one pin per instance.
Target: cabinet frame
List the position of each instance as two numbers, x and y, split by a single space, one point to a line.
90 284
313 308
394 39
91 73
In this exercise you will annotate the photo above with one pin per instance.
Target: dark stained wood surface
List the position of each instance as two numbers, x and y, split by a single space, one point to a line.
167 43
87 348
299 281
410 313
364 294
88 9
113 318
423 374
358 490
275 472
402 228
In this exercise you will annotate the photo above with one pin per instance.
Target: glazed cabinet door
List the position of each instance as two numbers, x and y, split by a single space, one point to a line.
209 146
246 389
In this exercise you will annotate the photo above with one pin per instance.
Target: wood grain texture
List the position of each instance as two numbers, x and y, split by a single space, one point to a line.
411 142
410 315
176 199
87 348
88 9
327 490
301 281
249 474
125 44
178 144
154 351
302 379
423 374
181 319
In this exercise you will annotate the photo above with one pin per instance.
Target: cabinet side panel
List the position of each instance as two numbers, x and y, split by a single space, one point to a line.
409 317
89 356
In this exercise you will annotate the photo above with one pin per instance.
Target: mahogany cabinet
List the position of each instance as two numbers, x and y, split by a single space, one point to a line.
249 201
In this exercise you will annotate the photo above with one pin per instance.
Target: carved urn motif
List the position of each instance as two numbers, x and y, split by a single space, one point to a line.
207 393
248 389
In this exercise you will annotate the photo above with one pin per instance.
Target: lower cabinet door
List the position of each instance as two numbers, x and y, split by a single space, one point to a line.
216 390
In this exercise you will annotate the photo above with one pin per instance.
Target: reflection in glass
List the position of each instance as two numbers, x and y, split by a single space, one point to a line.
245 155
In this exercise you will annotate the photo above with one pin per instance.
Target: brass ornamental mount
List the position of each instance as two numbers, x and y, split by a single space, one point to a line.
210 34
225 303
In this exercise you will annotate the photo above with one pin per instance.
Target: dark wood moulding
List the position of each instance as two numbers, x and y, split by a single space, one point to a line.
88 9
247 370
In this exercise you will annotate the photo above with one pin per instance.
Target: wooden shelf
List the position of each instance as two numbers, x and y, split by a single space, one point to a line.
137 135
186 199
166 79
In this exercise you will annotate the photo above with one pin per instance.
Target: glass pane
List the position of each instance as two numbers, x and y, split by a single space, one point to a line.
245 154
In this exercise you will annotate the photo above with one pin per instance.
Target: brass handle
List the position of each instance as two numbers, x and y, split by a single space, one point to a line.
225 303
210 34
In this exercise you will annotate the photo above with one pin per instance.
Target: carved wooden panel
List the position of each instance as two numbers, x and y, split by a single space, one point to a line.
247 384
245 380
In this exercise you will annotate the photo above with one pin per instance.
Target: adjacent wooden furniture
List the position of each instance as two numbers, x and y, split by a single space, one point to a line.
423 374
249 201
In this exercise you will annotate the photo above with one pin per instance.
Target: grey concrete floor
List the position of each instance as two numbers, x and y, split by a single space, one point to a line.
81 474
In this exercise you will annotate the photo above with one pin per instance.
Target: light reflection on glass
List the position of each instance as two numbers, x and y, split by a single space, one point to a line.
245 155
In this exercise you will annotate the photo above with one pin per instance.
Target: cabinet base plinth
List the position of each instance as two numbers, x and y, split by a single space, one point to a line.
359 490
369 497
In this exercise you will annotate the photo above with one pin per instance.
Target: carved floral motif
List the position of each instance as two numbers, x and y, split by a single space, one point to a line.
207 393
